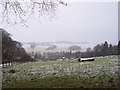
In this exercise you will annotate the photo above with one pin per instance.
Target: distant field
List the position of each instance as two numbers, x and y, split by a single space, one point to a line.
42 47
101 73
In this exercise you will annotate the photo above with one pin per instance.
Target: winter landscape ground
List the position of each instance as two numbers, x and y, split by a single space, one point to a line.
101 73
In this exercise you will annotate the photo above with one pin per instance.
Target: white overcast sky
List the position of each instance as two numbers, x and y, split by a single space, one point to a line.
78 22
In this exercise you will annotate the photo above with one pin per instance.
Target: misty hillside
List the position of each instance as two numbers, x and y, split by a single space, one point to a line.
56 46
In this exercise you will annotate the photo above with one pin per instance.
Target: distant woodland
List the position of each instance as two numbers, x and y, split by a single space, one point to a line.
103 49
12 51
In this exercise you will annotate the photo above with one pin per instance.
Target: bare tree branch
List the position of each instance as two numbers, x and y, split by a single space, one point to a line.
18 11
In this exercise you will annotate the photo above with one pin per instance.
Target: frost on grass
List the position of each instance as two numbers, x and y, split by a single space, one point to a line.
40 69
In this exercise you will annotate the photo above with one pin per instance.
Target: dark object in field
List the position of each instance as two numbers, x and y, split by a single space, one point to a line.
79 59
85 59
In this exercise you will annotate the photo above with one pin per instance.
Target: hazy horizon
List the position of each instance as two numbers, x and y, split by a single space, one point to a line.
92 22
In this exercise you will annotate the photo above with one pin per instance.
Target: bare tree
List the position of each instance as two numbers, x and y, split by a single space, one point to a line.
19 11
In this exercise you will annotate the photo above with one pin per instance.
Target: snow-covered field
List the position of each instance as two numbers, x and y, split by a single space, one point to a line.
42 47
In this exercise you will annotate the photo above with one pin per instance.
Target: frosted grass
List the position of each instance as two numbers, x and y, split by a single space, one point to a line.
40 69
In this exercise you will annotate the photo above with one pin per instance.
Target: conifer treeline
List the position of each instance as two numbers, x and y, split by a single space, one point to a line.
103 49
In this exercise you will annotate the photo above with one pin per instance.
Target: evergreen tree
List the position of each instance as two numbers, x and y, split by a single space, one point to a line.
12 50
105 49
119 48
110 51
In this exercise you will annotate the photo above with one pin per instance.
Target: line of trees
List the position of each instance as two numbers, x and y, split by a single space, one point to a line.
12 51
103 49
55 55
